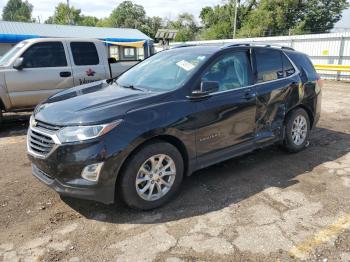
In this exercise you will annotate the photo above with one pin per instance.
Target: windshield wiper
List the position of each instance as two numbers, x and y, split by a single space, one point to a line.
132 87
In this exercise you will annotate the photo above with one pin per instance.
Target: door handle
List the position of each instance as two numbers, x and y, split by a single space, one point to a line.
65 74
248 94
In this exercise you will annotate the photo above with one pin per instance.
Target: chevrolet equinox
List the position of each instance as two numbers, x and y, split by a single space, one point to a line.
176 112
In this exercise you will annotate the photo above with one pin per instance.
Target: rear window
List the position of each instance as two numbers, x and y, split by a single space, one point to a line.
84 53
288 68
304 65
269 64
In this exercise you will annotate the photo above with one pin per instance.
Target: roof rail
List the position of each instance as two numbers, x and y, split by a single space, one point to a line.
183 45
258 44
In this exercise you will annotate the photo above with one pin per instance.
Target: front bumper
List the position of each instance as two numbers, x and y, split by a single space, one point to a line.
61 169
99 194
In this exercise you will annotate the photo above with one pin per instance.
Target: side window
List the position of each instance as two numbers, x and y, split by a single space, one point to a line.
231 71
114 52
288 68
268 64
84 53
304 64
48 54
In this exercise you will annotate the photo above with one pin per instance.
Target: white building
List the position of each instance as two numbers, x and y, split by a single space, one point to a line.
122 43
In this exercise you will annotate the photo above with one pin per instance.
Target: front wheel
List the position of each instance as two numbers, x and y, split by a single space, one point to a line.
297 131
152 176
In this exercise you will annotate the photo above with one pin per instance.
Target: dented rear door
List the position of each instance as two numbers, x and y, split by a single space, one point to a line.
277 89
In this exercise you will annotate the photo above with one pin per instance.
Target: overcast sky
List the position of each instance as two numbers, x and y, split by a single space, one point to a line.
162 8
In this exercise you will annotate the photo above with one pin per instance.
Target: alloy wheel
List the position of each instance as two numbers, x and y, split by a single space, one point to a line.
155 177
299 130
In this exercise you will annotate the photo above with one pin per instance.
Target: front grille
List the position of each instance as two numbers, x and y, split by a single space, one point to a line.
39 143
40 140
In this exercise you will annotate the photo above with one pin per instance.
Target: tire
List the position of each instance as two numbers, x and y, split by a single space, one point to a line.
1 117
149 174
297 126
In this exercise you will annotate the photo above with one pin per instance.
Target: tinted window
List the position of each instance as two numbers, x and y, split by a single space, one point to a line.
268 64
84 53
287 66
49 54
230 71
304 65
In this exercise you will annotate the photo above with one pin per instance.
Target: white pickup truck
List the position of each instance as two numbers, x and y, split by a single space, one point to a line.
38 68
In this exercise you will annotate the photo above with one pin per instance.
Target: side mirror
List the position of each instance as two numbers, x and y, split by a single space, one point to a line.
112 60
206 88
18 64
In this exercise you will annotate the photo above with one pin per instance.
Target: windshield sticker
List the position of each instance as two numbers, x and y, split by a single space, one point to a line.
185 65
202 57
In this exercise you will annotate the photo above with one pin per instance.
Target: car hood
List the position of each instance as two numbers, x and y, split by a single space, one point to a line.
93 103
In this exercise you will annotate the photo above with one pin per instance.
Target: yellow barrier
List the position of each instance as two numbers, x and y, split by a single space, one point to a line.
343 68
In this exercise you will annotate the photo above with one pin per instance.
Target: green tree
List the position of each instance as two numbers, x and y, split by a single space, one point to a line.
186 26
217 22
152 25
65 15
128 15
271 17
88 21
320 15
104 22
17 10
276 17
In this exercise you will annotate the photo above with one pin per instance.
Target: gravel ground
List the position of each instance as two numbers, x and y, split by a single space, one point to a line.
264 206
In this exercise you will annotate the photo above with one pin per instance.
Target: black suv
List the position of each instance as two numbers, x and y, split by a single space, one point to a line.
176 112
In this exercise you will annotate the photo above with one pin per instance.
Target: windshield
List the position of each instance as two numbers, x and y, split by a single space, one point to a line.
164 71
4 60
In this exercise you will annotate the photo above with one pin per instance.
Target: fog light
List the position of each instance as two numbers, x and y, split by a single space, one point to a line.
92 172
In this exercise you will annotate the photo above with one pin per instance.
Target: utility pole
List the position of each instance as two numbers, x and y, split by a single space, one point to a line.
68 8
235 19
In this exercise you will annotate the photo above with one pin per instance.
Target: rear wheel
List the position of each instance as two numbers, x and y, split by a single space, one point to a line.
297 130
152 176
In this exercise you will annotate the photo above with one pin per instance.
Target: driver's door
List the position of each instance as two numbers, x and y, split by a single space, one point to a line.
226 120
45 72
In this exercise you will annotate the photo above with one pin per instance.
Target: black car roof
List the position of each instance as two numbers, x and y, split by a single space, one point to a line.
217 47
205 48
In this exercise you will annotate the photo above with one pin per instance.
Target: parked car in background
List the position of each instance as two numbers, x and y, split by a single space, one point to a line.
179 111
35 69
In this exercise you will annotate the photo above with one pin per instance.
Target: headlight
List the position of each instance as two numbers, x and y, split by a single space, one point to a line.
32 121
81 133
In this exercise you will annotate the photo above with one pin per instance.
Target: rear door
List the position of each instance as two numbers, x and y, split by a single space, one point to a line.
46 71
87 62
276 87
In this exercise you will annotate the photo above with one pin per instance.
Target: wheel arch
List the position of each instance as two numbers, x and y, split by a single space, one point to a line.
176 142
307 110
